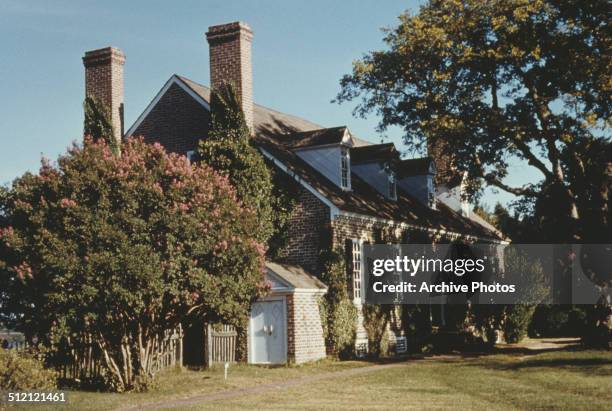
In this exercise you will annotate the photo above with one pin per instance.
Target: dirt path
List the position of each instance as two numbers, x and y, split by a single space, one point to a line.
195 399
540 345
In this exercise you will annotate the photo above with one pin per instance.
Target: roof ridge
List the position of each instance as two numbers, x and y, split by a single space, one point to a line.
186 79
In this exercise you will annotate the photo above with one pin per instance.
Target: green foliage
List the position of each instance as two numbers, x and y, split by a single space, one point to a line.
518 318
558 321
494 81
284 198
338 313
417 325
122 248
598 330
228 151
514 320
376 323
23 372
98 123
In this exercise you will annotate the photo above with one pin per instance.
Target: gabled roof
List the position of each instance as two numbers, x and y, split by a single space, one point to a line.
295 277
415 166
293 131
374 153
278 134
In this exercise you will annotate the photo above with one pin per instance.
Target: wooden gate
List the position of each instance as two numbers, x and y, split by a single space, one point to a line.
220 344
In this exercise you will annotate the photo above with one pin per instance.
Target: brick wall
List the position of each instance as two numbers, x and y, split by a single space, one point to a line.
290 328
230 62
104 80
348 228
308 230
177 122
308 344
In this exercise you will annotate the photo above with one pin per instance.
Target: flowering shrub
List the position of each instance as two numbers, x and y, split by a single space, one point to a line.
123 247
23 372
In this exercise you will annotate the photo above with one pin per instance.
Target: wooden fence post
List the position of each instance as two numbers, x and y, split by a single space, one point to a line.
209 350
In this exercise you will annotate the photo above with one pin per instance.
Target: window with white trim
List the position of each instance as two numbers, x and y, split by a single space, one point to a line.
345 172
357 269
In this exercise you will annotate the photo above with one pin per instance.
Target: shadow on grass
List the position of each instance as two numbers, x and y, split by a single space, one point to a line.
586 365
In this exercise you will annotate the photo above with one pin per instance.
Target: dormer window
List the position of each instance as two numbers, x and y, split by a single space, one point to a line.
345 172
392 186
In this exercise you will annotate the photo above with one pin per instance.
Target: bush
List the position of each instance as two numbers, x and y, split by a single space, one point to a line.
558 321
417 325
518 318
338 313
376 323
23 372
121 248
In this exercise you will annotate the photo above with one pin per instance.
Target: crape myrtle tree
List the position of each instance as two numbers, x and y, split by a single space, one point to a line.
122 248
501 81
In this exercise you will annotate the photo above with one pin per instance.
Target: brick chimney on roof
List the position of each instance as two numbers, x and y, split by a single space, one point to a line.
230 62
104 81
444 159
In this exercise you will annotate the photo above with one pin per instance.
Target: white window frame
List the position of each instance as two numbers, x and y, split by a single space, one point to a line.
357 269
345 168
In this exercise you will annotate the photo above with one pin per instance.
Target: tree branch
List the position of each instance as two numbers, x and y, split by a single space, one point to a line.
531 158
518 191
544 114
493 180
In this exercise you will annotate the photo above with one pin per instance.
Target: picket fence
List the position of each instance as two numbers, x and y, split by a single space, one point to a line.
84 361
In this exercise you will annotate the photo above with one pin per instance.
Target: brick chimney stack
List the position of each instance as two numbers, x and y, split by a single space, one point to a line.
230 62
104 80
446 174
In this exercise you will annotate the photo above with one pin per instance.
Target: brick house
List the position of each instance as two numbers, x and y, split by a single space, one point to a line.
350 191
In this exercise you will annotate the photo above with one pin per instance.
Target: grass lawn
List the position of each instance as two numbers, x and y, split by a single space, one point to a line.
561 379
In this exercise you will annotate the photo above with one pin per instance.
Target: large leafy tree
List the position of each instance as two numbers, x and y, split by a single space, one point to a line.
122 248
494 82
228 151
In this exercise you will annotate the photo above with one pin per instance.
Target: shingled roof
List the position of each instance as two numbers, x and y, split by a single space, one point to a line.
290 131
414 166
364 199
280 134
374 152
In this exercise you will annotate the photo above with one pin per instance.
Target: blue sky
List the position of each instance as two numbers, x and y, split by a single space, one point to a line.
300 51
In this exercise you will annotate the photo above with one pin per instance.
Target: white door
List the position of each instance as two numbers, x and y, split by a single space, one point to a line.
268 332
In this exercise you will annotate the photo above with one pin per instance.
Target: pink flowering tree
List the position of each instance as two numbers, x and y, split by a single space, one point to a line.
123 248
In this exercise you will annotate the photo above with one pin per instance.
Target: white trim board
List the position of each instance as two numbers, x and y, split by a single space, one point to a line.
172 80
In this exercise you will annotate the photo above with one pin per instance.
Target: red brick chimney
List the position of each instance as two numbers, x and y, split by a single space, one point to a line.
230 62
446 174
104 80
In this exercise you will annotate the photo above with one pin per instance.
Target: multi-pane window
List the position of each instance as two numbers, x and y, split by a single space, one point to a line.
356 269
392 187
344 168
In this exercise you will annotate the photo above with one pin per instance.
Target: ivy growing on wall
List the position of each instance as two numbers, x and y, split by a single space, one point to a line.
98 123
338 313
